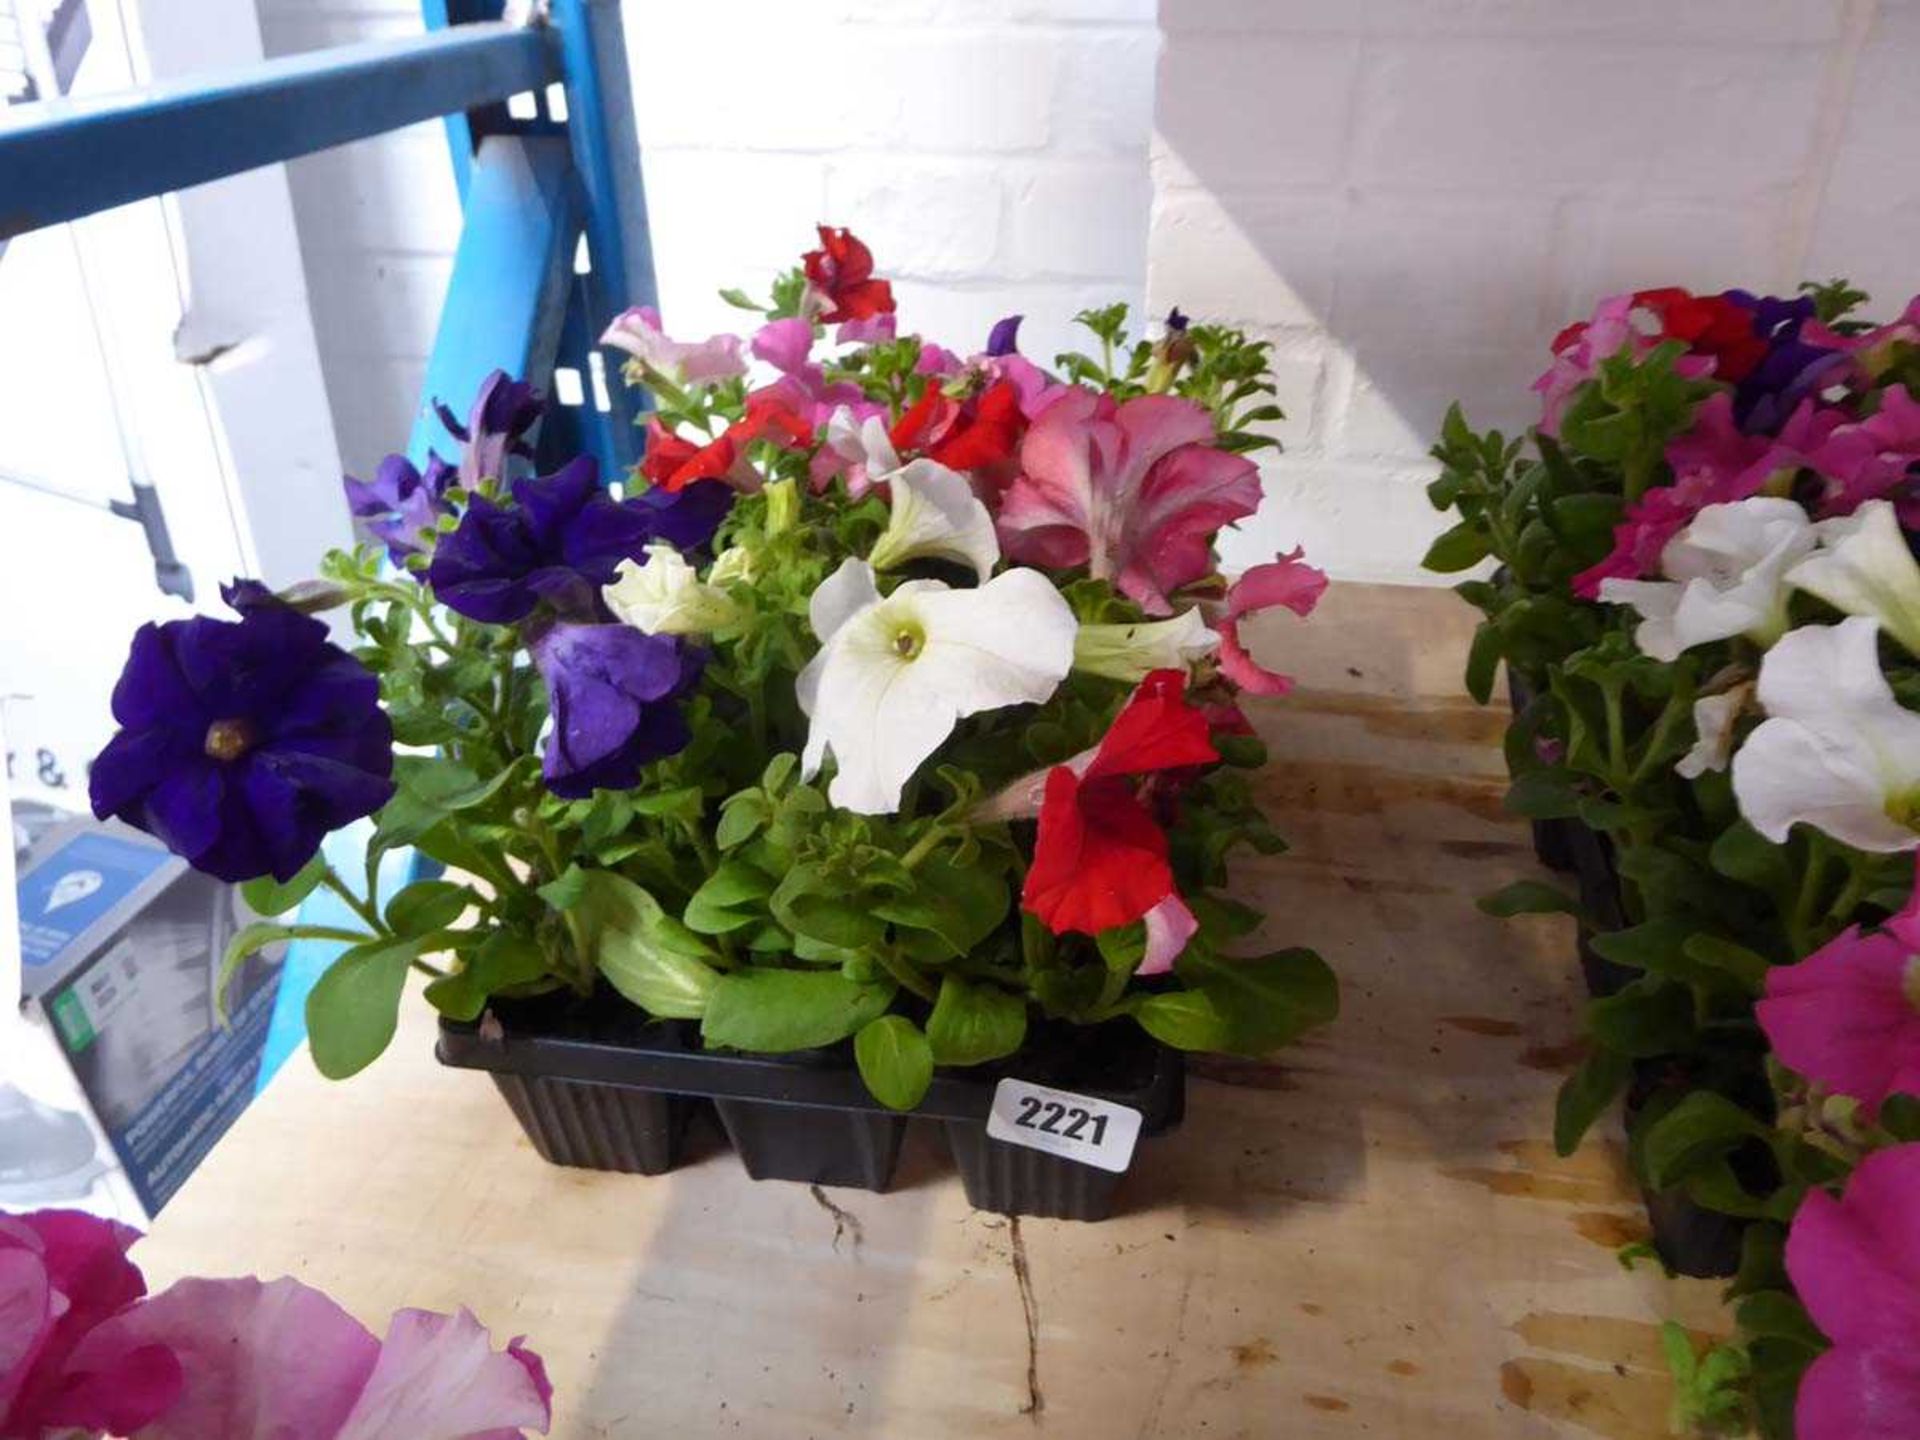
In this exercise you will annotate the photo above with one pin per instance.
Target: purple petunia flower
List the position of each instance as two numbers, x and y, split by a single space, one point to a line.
1792 369
1004 338
400 502
244 742
611 693
561 539
502 413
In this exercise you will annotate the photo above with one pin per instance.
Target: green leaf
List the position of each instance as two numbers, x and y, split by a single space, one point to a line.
267 896
1703 1126
729 900
895 1061
246 940
740 819
1483 660
974 1023
354 1007
1650 1017
962 904
809 902
687 804
1267 1001
503 960
646 954
1544 794
1529 897
772 1012
1716 952
568 888
1586 1094
1779 1315
1460 548
427 905
1742 853
1185 1019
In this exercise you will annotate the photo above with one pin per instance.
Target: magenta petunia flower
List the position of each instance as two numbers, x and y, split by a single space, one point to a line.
282 1359
1855 1263
1848 1016
62 1273
1873 459
1134 492
1714 463
1285 580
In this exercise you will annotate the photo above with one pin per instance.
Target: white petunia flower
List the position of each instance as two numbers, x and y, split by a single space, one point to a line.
1836 750
863 446
1132 652
664 596
1863 566
1726 576
1714 719
894 675
733 565
935 515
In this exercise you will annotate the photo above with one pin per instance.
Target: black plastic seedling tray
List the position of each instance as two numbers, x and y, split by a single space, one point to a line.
596 1085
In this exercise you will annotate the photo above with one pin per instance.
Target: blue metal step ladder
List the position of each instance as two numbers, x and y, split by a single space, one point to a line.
553 241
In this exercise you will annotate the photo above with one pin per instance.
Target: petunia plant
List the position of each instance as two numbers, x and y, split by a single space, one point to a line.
1709 607
893 699
88 1352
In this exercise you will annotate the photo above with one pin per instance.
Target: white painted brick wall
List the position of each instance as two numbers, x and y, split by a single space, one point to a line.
1411 196
993 152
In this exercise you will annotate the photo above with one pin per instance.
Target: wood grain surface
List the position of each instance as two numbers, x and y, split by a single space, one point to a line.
1369 1235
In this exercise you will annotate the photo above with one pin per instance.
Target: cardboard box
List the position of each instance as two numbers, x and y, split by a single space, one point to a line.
121 945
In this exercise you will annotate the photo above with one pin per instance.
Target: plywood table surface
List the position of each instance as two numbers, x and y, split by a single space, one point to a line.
1368 1235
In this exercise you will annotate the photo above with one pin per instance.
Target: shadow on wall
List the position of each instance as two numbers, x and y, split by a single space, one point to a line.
1411 198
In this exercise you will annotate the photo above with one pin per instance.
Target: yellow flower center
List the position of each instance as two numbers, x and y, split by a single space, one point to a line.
229 739
1905 809
909 641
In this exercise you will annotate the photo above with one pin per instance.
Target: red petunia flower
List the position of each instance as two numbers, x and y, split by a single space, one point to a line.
1101 858
1709 325
673 463
981 432
841 270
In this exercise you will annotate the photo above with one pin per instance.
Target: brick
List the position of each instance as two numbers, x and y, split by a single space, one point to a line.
1267 258
1455 271
926 219
1079 220
1356 522
1103 102
1239 112
1068 12
1752 21
1872 248
989 91
1396 398
1878 163
1515 115
755 216
959 315
1609 245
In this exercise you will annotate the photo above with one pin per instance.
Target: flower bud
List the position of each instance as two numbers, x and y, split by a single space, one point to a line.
665 596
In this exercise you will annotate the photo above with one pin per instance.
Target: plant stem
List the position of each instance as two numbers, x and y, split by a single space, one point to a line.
923 847
901 969
363 908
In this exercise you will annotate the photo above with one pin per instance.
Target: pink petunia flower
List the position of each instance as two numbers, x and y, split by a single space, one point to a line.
784 344
1848 1016
1855 1263
1714 463
63 1273
937 360
1135 492
1286 580
694 362
868 330
282 1359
